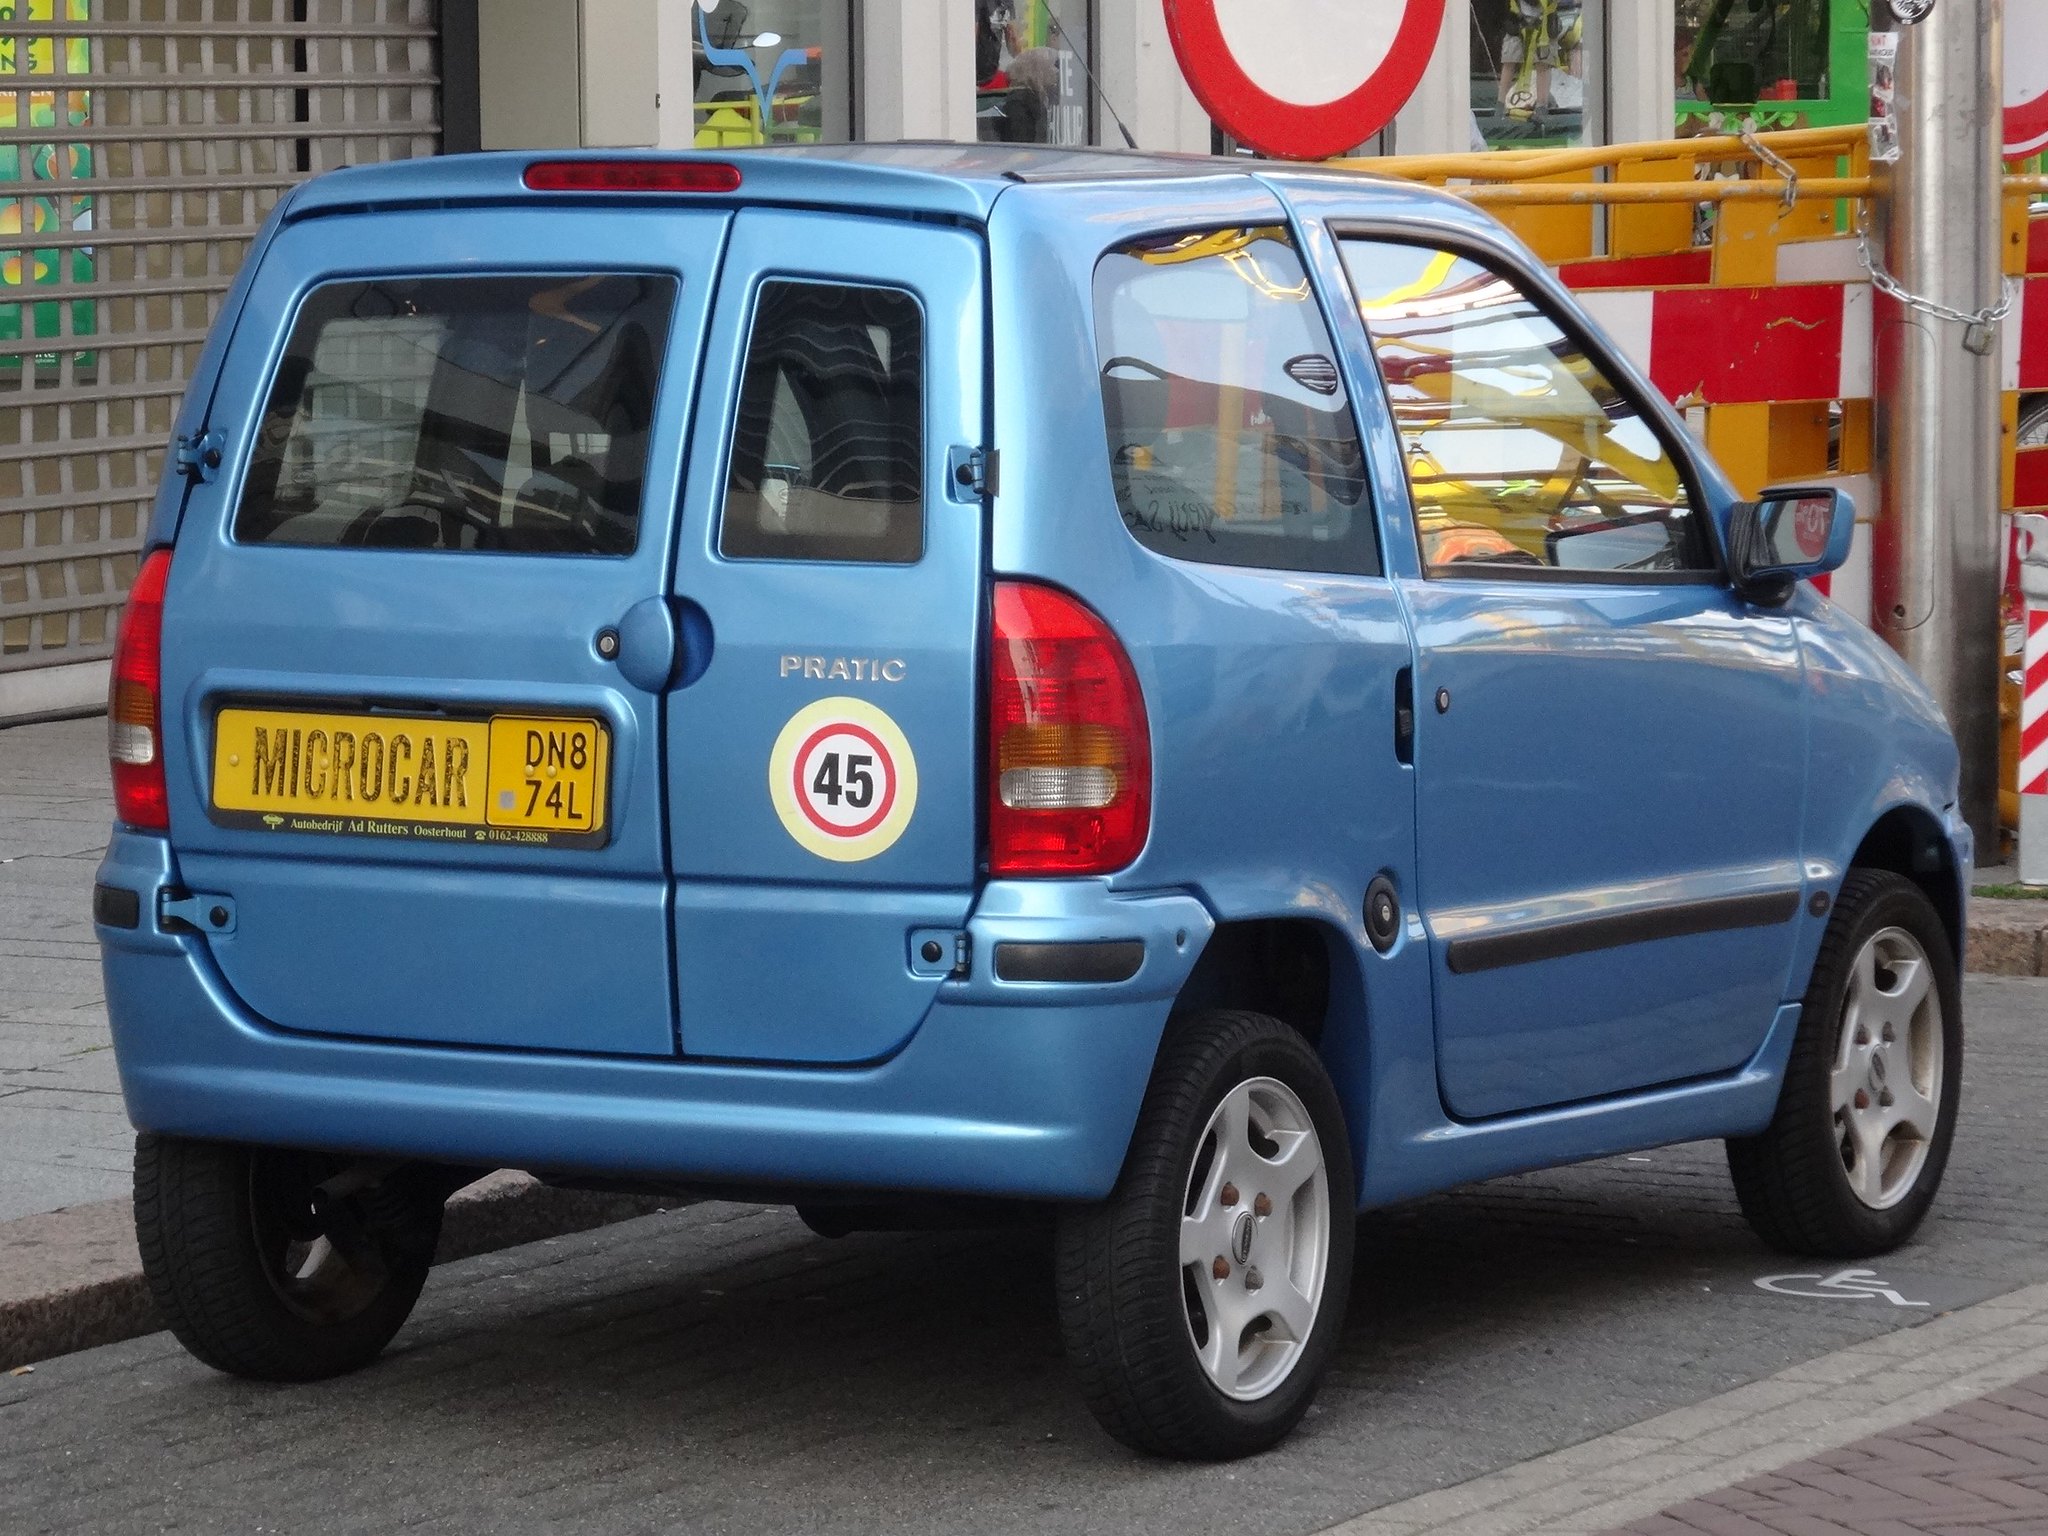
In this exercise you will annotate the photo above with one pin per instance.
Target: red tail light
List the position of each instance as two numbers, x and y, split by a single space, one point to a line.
1070 755
135 727
632 176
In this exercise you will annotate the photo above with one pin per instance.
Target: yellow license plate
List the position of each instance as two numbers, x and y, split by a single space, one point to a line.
508 779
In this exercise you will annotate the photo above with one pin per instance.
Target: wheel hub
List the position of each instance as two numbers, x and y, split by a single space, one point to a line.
1253 1274
1887 1079
1241 1239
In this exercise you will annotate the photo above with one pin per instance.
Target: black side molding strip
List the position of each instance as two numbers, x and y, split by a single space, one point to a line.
1110 961
1583 935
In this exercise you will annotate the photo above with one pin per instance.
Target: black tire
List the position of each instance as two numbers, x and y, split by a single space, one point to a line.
1130 1311
231 1247
1794 1180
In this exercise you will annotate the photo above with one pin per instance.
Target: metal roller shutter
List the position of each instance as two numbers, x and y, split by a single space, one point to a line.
142 143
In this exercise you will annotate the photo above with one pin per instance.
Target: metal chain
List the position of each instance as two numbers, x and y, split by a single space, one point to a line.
1892 288
1778 163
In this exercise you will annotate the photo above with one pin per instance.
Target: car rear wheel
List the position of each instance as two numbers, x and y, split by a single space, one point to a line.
1201 1301
281 1265
1852 1159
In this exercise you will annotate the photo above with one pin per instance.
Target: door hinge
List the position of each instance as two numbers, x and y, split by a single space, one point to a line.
194 911
947 952
198 457
973 474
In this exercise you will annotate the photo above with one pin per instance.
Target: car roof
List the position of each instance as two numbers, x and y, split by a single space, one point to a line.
961 181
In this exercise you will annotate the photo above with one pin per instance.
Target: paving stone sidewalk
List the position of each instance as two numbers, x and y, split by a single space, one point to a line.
1938 1430
64 1136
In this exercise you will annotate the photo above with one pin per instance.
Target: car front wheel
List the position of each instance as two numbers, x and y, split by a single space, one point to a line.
1201 1301
1850 1162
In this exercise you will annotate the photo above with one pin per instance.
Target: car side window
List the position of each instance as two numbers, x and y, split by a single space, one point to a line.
1231 438
828 454
1521 453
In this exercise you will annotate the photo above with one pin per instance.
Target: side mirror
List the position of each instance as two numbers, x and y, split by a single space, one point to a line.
1788 535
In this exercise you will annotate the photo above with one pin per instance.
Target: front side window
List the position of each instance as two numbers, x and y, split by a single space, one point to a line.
1231 440
828 454
503 414
1520 453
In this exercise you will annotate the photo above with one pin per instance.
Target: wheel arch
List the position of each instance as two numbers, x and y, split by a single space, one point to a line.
1288 967
1305 971
1908 840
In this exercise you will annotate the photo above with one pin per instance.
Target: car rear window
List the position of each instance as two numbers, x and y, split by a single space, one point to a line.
828 451
469 413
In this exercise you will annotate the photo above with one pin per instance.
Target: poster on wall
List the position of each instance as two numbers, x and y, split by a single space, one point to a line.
28 213
1884 97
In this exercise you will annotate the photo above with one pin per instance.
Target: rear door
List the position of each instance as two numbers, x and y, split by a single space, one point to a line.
415 635
823 743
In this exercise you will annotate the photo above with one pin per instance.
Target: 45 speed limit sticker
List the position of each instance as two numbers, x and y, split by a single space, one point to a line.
843 779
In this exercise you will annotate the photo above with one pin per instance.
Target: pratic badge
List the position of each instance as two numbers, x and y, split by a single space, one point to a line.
1303 79
843 779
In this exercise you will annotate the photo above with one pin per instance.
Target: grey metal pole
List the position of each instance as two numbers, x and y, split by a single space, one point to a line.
1938 224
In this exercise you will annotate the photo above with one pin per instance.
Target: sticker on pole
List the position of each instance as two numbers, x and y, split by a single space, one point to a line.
2026 80
1303 79
843 779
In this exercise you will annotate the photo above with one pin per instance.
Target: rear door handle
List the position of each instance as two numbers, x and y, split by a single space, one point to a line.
1404 716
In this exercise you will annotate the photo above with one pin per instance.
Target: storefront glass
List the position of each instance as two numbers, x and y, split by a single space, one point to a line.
1531 64
1030 71
772 71
1743 51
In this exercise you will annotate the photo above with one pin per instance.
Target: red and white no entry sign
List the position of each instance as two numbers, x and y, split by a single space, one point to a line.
2026 79
1303 79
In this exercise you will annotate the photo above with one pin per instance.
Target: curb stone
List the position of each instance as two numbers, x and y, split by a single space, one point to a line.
72 1279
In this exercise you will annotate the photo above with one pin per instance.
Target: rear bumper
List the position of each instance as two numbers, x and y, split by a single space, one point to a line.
1007 1089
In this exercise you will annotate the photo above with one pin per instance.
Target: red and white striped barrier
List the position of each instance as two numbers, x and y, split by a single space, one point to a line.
2030 548
1808 337
2034 707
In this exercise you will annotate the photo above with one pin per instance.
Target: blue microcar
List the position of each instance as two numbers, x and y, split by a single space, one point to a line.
1191 696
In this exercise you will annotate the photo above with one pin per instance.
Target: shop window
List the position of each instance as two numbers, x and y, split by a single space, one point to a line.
772 72
1532 73
1739 52
1031 71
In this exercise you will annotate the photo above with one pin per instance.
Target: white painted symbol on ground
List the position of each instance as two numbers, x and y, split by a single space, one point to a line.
1842 1285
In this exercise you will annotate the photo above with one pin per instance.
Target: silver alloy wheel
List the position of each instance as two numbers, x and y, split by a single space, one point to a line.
1886 1083
1255 1238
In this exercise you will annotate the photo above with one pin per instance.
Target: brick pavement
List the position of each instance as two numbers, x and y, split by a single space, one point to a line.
1980 1467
